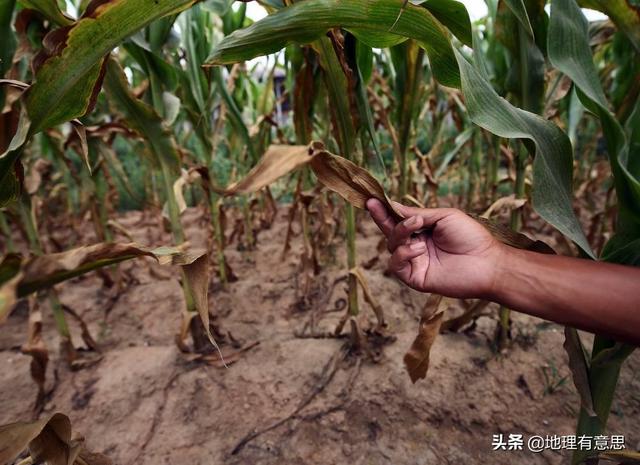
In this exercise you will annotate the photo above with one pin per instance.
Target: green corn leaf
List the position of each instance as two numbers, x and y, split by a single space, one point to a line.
7 39
552 165
306 21
569 52
459 142
518 8
142 118
66 83
454 15
235 115
49 9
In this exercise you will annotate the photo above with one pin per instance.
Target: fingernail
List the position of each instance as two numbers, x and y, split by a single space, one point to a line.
418 246
411 221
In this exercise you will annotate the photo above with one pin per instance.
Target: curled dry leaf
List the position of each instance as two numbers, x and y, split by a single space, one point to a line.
277 161
368 296
417 357
197 275
510 202
36 348
21 277
356 185
49 440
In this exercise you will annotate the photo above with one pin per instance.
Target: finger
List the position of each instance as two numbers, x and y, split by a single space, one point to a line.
381 216
401 259
430 216
402 232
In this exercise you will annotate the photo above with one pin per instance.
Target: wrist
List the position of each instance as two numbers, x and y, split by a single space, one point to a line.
504 262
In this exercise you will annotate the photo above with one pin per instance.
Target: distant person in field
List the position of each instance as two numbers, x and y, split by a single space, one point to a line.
458 257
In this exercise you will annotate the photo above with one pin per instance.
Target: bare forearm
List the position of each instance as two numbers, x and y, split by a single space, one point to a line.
598 297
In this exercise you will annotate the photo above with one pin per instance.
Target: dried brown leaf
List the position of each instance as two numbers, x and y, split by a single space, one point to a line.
510 202
368 296
277 161
416 359
48 439
356 185
197 275
36 348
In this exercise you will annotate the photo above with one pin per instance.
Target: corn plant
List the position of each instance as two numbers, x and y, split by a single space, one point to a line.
415 93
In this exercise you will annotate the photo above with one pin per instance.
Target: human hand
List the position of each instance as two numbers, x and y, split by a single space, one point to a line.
441 250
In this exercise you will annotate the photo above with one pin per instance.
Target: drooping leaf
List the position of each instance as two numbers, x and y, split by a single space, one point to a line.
510 202
277 161
304 22
416 359
569 51
368 295
37 350
49 440
353 183
197 275
65 84
454 16
142 118
552 165
40 272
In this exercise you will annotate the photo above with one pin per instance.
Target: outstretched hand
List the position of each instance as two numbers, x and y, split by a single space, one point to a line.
441 250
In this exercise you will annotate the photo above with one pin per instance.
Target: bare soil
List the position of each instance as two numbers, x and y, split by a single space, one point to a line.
293 399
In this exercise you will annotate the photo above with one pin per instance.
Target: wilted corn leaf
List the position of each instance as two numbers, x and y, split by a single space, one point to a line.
579 368
356 185
277 161
39 272
68 81
36 348
197 275
368 296
416 359
509 202
49 440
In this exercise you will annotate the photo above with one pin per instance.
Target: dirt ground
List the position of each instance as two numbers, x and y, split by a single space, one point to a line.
305 400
